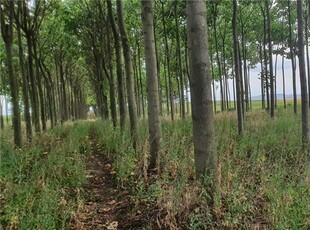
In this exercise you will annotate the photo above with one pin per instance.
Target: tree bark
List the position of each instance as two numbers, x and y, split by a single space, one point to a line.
292 56
237 68
152 82
303 78
201 94
272 96
132 107
25 90
7 35
119 72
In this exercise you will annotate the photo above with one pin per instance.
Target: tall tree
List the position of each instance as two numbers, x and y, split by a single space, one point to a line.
237 68
272 96
200 83
292 55
119 71
303 78
152 82
132 107
7 35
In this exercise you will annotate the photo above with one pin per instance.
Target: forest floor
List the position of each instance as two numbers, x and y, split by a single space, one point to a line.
106 205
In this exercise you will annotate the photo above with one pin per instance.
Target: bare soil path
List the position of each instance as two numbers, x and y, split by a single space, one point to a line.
105 206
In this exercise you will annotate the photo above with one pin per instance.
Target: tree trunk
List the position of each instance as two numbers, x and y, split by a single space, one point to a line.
292 57
129 72
140 81
33 94
167 55
303 78
152 82
272 97
1 115
25 91
119 71
201 94
262 77
111 82
182 102
237 69
7 35
283 80
307 16
40 88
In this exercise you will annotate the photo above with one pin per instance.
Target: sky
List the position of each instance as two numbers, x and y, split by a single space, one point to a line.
255 81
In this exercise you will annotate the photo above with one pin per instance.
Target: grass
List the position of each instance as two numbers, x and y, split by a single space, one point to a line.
265 175
40 184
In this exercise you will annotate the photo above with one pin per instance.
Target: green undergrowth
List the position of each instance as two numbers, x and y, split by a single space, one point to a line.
264 175
40 184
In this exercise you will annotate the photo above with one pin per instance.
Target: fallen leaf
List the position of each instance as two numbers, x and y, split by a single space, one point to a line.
113 225
111 202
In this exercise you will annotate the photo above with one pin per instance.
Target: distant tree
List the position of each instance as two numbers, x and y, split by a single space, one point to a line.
200 83
7 32
303 78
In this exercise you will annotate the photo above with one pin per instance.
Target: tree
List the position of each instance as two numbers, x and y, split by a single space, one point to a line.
120 84
272 102
200 84
132 106
237 68
303 78
7 35
152 81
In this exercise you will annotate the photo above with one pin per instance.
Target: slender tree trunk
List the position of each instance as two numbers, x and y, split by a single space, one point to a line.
201 95
219 66
237 68
1 115
140 81
129 72
25 91
245 76
213 83
167 55
119 72
275 82
307 16
283 80
152 84
262 77
111 82
40 88
7 35
303 78
182 102
34 94
272 97
266 72
292 57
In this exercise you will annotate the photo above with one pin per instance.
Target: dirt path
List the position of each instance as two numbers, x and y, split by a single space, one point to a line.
105 205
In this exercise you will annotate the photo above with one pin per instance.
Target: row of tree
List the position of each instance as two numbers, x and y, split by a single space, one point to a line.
63 56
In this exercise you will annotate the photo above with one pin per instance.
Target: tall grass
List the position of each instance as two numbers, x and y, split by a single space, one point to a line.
264 174
40 183
264 182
